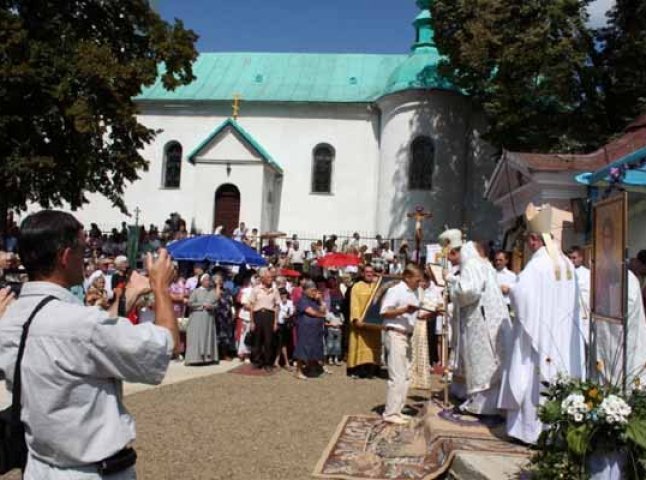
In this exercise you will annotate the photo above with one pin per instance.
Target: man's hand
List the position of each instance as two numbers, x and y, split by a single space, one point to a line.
6 297
505 289
411 308
160 271
138 284
445 274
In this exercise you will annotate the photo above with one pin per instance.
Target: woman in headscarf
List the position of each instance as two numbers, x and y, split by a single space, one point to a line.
201 336
310 320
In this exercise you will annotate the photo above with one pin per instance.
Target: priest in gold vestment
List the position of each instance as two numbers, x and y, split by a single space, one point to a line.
364 346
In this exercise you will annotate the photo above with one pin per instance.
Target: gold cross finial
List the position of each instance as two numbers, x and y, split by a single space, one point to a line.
236 106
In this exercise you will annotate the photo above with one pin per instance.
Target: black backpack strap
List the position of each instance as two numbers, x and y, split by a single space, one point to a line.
17 384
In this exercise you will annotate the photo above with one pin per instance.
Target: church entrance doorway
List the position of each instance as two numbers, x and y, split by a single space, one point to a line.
227 208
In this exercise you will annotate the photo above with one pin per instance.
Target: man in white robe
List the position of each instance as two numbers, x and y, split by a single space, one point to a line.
451 242
610 339
483 324
546 337
575 254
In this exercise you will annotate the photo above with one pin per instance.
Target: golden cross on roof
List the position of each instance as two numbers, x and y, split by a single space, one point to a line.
236 106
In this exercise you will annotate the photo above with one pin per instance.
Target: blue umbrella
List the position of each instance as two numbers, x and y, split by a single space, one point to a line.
216 249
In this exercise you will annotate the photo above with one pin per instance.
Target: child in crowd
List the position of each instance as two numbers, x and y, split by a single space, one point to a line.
284 334
333 324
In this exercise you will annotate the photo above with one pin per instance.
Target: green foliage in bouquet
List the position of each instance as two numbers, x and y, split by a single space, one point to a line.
584 418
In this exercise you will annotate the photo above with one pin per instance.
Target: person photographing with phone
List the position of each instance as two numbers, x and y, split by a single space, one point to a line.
399 310
76 356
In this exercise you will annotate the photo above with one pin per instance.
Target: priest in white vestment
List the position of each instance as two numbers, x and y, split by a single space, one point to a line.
451 242
547 338
610 338
483 319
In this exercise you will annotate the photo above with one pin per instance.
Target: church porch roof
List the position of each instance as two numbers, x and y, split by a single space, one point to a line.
246 136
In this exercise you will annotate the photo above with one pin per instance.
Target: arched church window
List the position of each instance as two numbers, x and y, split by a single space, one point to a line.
172 169
322 169
422 163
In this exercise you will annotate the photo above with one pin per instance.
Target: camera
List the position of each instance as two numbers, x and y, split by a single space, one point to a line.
15 287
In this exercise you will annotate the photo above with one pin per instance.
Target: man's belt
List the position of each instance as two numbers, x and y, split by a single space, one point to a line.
398 330
120 461
265 310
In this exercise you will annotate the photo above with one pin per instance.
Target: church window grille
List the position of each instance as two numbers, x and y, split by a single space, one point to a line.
322 169
422 164
172 171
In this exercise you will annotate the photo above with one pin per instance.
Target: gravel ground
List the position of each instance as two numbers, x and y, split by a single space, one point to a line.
240 427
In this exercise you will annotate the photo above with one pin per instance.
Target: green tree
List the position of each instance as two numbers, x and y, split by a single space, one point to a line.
545 80
69 70
623 62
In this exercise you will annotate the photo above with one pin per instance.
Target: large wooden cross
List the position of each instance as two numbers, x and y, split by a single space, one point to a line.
419 215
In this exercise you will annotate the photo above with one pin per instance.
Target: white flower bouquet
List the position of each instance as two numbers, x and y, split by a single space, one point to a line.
587 420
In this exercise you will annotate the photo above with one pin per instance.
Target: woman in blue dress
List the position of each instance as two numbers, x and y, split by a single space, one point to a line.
310 320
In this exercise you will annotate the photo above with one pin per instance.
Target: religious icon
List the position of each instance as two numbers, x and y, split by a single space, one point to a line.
609 242
372 314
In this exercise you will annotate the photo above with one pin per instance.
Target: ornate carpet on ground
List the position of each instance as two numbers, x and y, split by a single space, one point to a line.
364 447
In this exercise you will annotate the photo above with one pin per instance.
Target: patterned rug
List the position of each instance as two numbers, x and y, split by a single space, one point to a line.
250 370
364 447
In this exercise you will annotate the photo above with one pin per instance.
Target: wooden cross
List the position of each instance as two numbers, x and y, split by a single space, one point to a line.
419 215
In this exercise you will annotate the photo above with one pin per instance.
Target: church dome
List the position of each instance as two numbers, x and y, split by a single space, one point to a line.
420 69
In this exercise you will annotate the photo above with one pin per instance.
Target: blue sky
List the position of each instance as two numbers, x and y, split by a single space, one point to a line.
362 26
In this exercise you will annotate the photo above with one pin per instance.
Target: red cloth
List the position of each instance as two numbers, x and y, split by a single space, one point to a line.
133 316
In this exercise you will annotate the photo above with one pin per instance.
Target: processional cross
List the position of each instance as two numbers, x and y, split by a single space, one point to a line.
419 215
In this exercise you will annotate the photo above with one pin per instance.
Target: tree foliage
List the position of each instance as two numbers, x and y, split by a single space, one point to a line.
545 79
69 70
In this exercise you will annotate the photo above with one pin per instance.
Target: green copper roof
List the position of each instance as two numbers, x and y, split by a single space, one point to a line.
307 77
284 77
419 71
247 137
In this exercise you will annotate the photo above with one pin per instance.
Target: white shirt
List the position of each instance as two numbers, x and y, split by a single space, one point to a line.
191 283
286 311
388 255
396 297
239 234
75 360
245 296
583 280
506 278
295 256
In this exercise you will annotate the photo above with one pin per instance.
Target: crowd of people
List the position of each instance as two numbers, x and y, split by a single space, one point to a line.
493 334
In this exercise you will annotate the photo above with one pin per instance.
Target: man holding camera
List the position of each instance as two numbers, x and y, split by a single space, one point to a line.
76 357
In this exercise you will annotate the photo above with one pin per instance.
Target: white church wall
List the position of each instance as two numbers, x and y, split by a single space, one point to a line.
444 117
209 177
289 133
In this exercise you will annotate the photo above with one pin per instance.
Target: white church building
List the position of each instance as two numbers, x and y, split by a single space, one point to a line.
317 144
